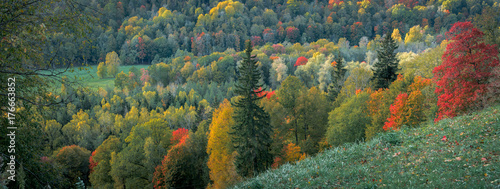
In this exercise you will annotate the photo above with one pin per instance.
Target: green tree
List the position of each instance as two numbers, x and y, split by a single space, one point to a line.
338 78
252 130
348 122
384 71
313 108
100 163
121 80
74 163
290 90
31 57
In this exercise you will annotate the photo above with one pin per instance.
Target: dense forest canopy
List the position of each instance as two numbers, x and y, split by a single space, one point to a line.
205 94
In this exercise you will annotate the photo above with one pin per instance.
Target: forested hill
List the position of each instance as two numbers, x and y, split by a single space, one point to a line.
153 31
208 94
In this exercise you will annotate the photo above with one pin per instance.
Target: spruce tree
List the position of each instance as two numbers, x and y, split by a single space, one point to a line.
384 71
338 79
252 130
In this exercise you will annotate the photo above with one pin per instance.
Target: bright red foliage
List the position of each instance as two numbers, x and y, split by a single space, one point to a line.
179 135
262 93
301 61
463 78
170 168
396 111
92 162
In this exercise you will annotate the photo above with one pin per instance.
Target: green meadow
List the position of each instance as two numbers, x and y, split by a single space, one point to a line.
86 75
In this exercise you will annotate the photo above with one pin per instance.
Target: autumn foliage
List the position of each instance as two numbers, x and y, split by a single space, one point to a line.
301 61
267 94
290 153
178 135
407 108
463 78
171 171
219 148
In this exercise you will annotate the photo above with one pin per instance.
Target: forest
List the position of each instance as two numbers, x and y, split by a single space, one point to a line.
209 93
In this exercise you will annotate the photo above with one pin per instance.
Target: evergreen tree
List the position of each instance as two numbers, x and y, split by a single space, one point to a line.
384 71
338 78
252 129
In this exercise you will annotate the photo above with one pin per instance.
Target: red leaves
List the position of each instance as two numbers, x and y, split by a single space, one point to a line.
396 112
261 93
292 33
179 135
468 64
301 61
92 162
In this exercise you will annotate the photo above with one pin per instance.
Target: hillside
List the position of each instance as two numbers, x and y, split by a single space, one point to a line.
454 153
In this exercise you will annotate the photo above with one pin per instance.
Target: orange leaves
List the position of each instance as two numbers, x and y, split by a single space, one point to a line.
290 153
407 108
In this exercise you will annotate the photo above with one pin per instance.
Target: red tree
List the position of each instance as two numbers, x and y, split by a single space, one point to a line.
141 49
173 170
301 61
256 41
178 135
463 79
292 33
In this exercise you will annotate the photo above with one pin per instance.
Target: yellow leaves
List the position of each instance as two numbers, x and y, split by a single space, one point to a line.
414 35
396 35
219 147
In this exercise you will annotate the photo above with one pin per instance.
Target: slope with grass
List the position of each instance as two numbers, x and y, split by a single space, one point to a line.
463 152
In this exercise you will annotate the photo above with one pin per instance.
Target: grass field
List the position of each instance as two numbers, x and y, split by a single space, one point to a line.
463 152
88 76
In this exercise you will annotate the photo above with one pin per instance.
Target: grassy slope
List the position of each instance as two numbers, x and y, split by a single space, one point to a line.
468 159
89 76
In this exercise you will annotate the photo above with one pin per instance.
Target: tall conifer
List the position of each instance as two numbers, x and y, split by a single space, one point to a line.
252 129
338 78
384 71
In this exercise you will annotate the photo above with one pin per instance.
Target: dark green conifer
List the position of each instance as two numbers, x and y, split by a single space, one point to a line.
384 71
252 131
338 78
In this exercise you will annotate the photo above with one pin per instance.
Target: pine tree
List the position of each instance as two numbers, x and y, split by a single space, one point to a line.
338 78
252 129
384 71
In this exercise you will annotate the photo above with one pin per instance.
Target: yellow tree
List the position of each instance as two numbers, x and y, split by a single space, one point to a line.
396 35
101 70
112 63
220 149
414 35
